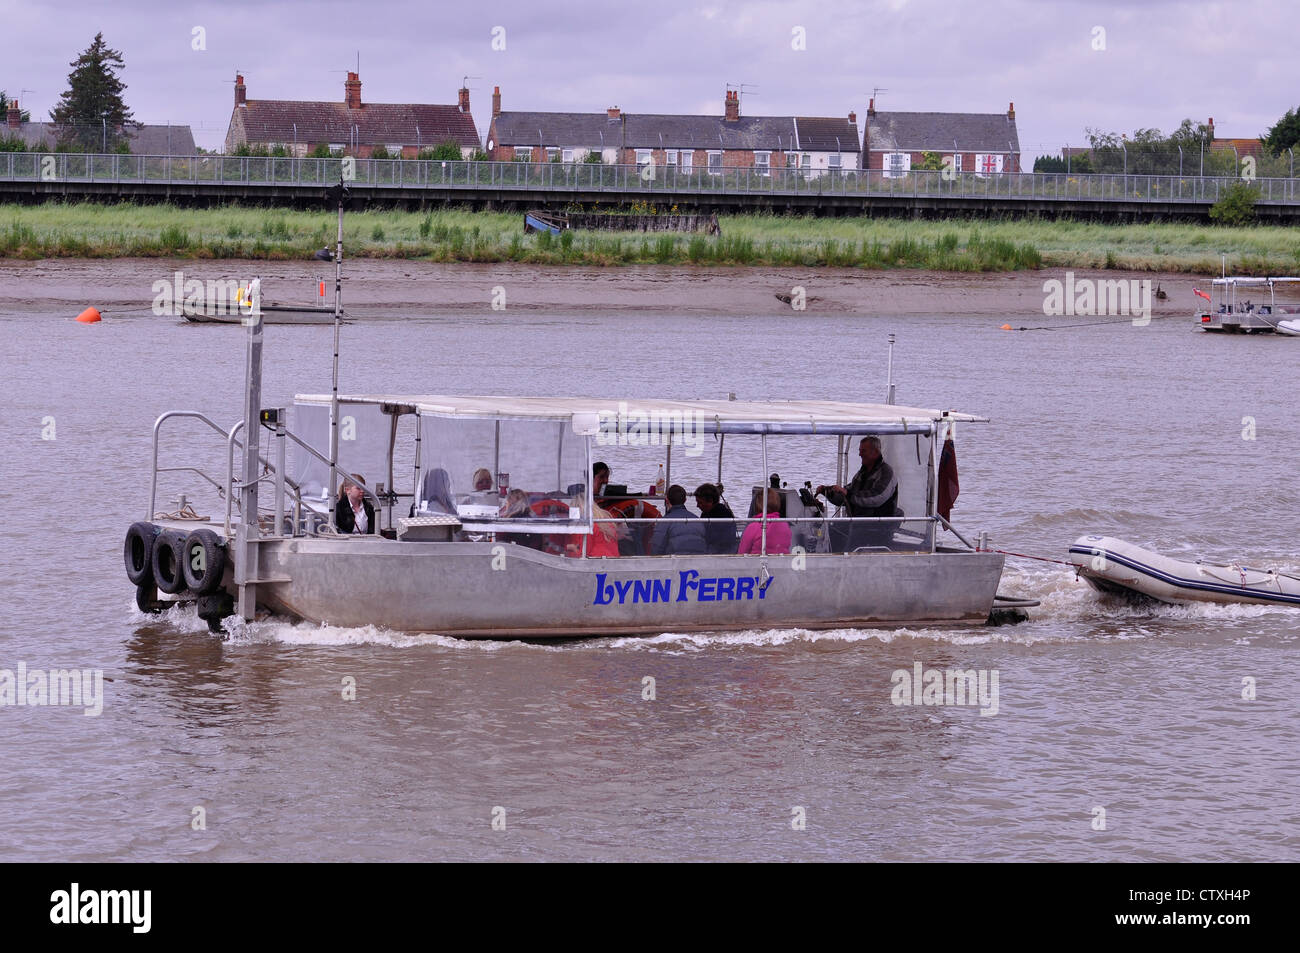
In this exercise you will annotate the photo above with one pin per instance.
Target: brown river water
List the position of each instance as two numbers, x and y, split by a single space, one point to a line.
1109 428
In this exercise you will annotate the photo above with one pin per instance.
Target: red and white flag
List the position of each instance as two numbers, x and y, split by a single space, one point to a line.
1201 293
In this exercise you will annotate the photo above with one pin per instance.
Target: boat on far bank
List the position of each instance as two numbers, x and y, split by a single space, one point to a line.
271 314
1231 309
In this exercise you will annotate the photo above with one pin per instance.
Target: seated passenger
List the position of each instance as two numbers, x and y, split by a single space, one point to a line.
354 513
599 478
516 507
720 536
778 531
873 491
435 493
603 540
678 539
483 494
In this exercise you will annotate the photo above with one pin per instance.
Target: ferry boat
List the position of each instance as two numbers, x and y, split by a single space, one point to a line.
466 573
1251 306
514 553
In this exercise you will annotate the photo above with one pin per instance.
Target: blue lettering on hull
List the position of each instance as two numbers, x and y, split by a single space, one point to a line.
691 587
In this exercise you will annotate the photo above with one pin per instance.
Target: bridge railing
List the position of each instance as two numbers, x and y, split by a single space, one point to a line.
657 184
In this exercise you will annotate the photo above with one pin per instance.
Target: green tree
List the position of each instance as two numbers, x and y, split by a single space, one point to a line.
1237 206
446 151
931 162
1049 164
91 112
322 151
1284 134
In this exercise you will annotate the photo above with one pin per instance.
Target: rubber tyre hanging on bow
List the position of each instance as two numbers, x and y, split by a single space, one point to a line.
137 552
168 561
204 562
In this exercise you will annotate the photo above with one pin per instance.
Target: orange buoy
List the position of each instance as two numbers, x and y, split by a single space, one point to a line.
1005 327
89 316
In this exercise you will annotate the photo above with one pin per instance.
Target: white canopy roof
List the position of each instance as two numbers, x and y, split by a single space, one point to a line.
726 416
1252 281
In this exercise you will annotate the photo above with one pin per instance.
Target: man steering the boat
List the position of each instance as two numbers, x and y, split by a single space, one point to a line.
873 491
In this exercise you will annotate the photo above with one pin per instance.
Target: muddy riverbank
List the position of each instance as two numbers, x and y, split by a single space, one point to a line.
391 289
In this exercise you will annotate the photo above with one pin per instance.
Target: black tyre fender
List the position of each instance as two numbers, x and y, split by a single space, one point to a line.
146 598
168 561
137 552
204 562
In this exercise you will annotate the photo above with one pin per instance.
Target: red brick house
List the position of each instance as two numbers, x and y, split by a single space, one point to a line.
983 143
710 143
350 126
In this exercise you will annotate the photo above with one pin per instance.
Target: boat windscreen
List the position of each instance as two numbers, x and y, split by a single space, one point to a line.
364 432
490 468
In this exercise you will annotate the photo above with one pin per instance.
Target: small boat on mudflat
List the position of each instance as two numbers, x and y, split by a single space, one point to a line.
271 314
1118 567
1232 309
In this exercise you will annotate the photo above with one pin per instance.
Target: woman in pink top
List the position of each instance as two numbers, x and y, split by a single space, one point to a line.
778 531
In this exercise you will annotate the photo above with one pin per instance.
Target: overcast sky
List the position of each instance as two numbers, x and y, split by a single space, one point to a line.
1161 61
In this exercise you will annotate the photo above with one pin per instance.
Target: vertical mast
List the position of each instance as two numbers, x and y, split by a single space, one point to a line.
246 534
338 320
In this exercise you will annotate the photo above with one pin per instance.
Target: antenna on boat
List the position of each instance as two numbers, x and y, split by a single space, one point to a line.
1225 265
340 192
889 383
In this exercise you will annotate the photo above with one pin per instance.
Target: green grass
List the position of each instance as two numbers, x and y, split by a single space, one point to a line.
106 231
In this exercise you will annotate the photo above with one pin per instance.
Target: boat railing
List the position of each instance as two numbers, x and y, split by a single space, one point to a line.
280 479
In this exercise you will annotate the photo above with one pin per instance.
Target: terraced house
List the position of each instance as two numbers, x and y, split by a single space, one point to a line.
984 143
350 127
816 144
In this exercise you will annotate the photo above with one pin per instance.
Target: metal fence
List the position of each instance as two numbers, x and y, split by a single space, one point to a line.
652 184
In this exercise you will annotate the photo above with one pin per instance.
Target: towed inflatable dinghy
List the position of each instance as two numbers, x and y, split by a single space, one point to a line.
1291 327
1114 566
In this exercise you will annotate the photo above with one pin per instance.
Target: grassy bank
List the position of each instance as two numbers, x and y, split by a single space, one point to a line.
108 231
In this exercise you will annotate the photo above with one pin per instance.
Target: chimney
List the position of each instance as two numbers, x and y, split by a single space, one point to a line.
15 116
1011 113
352 91
241 91
853 117
496 101
1211 128
733 105
871 109
613 112
463 100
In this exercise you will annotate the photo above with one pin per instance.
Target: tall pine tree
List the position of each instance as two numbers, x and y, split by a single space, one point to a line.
91 114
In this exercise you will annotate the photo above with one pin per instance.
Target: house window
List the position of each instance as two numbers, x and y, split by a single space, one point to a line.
898 163
552 155
715 163
688 160
834 160
567 155
643 158
763 163
670 157
956 162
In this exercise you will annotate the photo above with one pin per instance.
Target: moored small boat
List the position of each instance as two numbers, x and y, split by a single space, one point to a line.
1116 566
1232 307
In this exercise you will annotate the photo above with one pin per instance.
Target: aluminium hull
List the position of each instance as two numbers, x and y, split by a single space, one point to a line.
454 589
